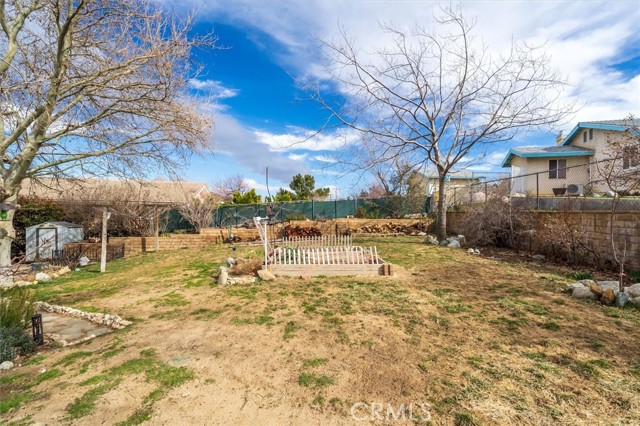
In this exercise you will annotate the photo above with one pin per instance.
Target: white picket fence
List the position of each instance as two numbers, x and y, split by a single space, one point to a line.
326 256
319 241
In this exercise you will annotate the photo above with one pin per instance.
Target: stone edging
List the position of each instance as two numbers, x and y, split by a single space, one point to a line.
113 321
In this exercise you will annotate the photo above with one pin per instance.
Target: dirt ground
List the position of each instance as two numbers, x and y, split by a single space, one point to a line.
459 339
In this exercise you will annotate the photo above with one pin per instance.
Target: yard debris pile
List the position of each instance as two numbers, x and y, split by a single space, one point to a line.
110 320
301 231
607 292
391 228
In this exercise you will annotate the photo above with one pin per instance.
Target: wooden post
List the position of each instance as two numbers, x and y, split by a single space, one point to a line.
103 250
156 227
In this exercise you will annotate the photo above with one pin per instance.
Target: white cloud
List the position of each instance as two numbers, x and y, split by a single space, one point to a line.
215 88
325 159
297 157
300 138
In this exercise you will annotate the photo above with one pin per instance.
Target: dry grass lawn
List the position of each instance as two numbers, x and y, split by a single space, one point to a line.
483 341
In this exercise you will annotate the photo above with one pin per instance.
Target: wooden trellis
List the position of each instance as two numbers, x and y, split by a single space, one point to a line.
320 241
352 260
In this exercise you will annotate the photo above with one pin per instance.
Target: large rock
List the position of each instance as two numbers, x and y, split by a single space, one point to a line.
583 293
608 297
596 289
538 257
587 283
635 302
621 300
430 239
454 244
462 239
266 275
573 286
41 276
6 365
84 261
613 285
223 276
231 262
633 291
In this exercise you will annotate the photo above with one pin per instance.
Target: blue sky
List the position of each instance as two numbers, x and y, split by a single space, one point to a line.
261 117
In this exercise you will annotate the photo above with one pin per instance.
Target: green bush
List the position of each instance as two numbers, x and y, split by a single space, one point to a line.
16 309
634 275
583 275
14 341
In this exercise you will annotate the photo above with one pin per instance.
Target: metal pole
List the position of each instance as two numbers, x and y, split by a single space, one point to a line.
537 191
266 247
335 208
313 213
156 227
103 251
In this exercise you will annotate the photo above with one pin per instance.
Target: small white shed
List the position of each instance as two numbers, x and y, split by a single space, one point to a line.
46 237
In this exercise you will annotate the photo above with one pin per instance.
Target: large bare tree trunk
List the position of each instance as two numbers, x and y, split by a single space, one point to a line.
7 234
441 211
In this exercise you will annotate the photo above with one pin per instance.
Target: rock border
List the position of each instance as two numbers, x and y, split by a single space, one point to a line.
109 320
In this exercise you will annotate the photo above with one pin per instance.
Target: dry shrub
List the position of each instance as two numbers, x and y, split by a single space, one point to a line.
246 267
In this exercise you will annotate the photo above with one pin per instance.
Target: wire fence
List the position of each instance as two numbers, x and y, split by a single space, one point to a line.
555 185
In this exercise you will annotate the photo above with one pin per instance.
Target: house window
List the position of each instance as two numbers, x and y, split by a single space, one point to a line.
590 134
630 157
584 136
557 169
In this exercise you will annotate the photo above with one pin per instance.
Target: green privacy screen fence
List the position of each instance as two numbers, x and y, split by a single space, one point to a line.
241 214
237 215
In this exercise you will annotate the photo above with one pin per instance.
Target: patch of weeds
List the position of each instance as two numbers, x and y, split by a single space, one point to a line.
537 310
154 396
551 325
475 360
264 319
512 324
368 343
246 293
171 299
423 366
582 275
464 419
536 356
559 301
47 375
110 353
8 379
139 416
456 308
290 329
167 315
94 380
83 405
587 369
318 401
441 292
71 358
169 376
596 345
14 400
310 379
314 362
442 322
336 403
34 360
205 314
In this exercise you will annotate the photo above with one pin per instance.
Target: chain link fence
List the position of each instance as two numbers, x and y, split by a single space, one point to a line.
589 186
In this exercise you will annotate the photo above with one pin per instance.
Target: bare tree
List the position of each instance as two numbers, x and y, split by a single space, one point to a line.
92 87
200 213
433 98
230 184
620 175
